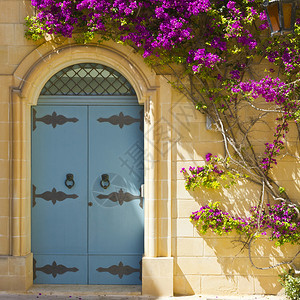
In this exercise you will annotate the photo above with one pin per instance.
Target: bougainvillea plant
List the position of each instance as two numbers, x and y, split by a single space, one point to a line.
211 175
279 221
213 50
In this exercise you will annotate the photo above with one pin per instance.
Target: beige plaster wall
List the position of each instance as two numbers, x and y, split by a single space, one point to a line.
177 258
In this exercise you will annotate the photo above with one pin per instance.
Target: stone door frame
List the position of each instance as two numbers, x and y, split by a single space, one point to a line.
151 89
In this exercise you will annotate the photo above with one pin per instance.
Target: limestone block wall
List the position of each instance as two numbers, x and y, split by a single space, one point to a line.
13 48
210 264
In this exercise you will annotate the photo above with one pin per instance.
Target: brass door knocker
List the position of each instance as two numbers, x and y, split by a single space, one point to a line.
69 182
105 181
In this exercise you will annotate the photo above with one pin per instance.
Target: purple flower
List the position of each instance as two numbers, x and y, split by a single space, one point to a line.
230 5
235 74
208 157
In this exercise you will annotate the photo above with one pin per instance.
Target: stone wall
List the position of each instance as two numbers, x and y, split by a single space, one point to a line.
210 264
15 256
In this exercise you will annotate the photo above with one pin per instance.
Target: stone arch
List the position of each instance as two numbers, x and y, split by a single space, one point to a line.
32 74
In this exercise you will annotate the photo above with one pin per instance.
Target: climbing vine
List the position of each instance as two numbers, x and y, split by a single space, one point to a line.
212 49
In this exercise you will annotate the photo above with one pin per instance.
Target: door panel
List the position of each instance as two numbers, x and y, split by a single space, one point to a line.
116 216
59 214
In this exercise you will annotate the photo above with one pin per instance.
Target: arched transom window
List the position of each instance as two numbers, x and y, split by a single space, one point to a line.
88 79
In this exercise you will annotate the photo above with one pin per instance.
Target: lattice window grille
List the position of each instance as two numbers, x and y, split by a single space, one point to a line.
88 79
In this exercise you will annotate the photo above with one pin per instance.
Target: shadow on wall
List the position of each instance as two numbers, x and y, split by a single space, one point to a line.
210 264
223 262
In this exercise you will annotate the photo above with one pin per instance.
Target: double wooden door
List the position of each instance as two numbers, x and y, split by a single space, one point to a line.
87 202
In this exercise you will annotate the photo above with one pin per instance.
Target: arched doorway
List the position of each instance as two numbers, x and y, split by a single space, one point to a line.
87 176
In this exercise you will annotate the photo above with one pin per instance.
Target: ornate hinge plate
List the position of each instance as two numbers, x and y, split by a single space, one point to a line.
52 196
53 119
53 269
121 197
121 270
122 120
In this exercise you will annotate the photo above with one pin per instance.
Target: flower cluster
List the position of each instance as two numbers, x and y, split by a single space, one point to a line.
130 17
271 89
280 221
201 57
211 174
286 53
153 26
212 217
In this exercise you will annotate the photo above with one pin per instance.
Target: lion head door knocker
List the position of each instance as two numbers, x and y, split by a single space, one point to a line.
105 181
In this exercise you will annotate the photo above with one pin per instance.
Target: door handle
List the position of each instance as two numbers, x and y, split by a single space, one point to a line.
69 182
105 183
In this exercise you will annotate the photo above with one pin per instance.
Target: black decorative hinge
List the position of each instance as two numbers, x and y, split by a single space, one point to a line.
53 119
53 269
52 196
121 270
121 197
122 120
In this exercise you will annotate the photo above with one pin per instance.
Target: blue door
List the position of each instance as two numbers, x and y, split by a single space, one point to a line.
87 206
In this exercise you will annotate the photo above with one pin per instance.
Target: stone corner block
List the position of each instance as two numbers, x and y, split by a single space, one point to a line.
19 276
157 277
